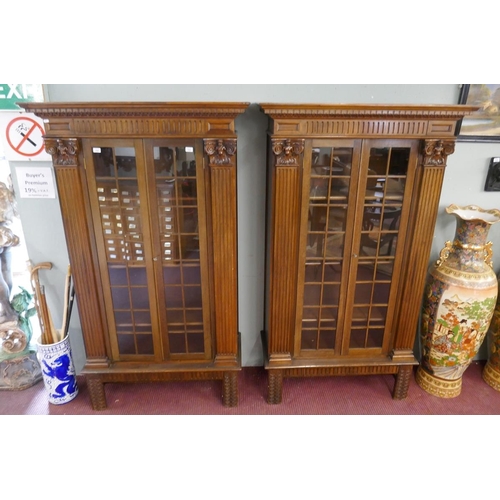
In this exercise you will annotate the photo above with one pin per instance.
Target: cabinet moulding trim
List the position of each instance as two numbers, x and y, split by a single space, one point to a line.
136 109
94 365
227 360
280 358
403 356
327 371
154 128
413 112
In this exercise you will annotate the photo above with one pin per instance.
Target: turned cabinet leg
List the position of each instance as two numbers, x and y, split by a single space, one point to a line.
230 389
275 387
97 394
402 382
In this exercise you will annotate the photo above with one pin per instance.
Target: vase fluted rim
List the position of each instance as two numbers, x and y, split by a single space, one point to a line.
473 212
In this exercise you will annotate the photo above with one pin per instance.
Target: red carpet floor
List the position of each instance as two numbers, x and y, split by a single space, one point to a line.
356 395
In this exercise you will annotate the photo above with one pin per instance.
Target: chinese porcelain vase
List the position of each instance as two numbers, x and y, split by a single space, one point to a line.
58 372
459 301
491 372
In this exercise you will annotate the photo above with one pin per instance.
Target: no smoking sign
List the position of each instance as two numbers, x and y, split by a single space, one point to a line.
23 137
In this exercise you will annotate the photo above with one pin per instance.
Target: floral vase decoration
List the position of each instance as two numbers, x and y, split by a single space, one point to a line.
491 372
459 301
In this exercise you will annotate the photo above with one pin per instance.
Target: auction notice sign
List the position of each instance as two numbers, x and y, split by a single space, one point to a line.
35 182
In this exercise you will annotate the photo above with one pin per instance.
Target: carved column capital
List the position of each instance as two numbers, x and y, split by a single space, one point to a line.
436 152
64 152
220 151
288 151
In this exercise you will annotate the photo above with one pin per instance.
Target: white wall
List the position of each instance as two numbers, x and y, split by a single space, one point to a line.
464 180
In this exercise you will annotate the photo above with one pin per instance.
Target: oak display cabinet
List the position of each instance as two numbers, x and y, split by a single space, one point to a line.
148 200
353 195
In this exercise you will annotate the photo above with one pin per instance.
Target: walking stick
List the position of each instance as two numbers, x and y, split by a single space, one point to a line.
41 304
67 298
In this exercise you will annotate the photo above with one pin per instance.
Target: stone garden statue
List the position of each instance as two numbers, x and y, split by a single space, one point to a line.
10 334
19 367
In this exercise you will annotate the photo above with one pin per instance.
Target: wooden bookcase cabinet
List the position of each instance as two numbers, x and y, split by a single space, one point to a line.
148 199
353 194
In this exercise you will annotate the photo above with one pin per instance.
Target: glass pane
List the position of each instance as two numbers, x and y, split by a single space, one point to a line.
312 295
123 318
163 161
378 315
126 344
118 276
326 339
140 299
192 275
328 314
175 316
121 297
174 296
363 293
326 230
381 293
190 220
400 158
142 318
125 162
138 276
330 295
195 342
145 344
104 162
177 343
194 316
384 268
309 339
192 297
375 337
187 193
177 195
313 273
332 272
358 338
172 275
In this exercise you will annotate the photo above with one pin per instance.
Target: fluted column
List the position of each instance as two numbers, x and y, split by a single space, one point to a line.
72 199
287 187
430 179
222 164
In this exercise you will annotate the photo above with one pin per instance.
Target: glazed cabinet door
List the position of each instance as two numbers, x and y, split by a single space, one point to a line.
331 172
353 225
119 201
145 205
179 233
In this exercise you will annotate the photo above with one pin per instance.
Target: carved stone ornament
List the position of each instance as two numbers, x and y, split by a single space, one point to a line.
64 152
288 151
220 151
436 152
12 338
